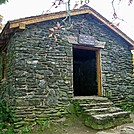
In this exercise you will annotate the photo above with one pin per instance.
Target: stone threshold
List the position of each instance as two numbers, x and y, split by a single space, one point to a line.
89 97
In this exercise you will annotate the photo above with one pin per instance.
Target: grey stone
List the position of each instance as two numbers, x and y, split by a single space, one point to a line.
32 62
72 39
47 72
102 132
42 83
127 130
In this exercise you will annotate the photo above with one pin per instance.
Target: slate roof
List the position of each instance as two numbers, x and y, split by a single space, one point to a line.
20 24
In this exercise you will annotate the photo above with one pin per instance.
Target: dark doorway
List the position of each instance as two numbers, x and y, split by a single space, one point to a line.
84 72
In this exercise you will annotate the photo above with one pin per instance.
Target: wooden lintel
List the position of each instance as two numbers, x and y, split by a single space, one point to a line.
86 47
45 17
22 26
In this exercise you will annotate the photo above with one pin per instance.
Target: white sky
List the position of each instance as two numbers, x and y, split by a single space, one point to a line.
16 9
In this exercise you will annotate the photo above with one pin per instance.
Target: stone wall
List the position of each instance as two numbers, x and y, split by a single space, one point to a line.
116 60
40 70
117 72
43 75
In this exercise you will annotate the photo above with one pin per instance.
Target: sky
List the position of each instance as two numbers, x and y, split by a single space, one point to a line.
16 9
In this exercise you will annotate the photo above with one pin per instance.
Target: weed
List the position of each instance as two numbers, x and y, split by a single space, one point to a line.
127 106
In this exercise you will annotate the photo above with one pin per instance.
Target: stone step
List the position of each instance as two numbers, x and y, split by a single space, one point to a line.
96 105
113 115
89 99
102 110
105 121
100 113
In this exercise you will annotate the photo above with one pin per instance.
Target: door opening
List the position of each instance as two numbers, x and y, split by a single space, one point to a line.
84 72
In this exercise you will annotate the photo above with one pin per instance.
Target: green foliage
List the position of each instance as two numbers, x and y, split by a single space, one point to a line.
43 123
3 1
6 117
70 109
25 130
6 128
77 108
5 112
74 108
127 106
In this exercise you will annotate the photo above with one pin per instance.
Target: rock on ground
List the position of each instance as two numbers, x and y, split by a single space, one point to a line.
127 130
104 133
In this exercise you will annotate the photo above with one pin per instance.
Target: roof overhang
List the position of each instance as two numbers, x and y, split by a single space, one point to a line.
20 24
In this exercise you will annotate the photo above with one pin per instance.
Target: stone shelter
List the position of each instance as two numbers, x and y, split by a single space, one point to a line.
48 61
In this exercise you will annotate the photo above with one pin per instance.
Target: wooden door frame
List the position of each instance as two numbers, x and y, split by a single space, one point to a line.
98 65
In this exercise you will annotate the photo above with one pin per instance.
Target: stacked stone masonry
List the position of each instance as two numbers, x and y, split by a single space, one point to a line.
40 70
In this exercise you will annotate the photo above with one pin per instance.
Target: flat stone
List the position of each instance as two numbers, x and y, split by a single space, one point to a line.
127 130
89 98
109 109
97 104
101 116
42 83
104 132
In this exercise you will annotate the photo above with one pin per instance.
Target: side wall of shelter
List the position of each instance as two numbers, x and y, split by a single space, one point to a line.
43 75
